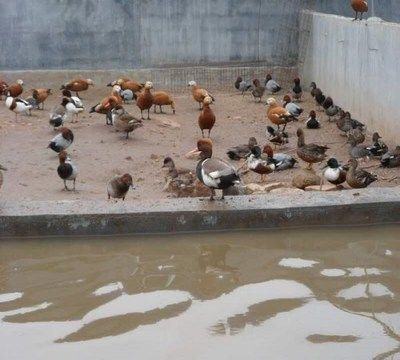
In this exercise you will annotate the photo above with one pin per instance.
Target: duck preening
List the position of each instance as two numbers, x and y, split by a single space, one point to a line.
76 101
358 178
67 170
280 160
62 141
118 187
199 94
213 172
259 165
309 153
277 137
58 115
241 151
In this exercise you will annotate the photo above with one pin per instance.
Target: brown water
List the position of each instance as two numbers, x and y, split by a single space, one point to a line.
298 294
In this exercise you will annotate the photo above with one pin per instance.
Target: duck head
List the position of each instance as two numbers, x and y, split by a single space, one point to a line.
62 156
65 101
268 150
127 180
332 163
202 151
252 142
90 82
66 93
20 82
168 163
239 79
313 114
271 102
268 77
207 100
148 85
67 134
353 163
313 85
192 83
296 81
286 99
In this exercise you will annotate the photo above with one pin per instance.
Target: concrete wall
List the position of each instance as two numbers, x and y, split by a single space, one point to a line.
357 63
124 34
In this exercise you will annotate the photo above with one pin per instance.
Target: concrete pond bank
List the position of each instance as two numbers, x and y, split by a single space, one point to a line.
272 211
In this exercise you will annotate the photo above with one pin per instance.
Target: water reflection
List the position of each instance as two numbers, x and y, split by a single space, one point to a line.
279 292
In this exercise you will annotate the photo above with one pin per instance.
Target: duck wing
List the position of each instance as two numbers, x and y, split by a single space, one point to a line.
217 168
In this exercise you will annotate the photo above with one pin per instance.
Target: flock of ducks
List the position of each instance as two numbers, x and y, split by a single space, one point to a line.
211 171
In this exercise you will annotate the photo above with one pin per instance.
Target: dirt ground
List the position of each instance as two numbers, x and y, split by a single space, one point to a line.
100 152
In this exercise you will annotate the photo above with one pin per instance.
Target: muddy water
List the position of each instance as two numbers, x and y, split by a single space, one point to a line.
298 294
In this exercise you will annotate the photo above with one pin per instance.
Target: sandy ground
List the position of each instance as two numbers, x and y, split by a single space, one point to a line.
100 152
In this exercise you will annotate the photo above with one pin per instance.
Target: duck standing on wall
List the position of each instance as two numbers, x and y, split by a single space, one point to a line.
118 187
359 6
213 172
309 153
358 178
206 117
77 85
67 170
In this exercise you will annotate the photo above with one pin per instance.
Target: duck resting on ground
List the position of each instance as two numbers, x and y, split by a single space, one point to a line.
240 151
290 106
257 164
391 159
280 160
358 178
378 148
213 172
277 137
334 172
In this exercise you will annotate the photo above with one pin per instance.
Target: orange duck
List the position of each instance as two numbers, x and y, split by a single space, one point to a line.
198 93
207 116
127 83
359 6
161 98
40 95
145 99
14 90
278 115
103 107
77 85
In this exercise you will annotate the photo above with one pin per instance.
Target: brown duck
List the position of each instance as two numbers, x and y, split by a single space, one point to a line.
118 187
207 116
145 99
358 178
309 153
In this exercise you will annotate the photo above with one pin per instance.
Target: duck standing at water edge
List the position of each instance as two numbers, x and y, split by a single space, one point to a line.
118 187
213 172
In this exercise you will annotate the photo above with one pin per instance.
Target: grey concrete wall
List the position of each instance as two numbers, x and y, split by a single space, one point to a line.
357 63
107 34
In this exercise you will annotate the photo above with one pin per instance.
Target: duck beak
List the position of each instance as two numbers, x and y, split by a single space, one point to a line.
3 168
193 154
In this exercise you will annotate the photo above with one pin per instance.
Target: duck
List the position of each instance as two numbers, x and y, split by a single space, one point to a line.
18 106
145 99
58 115
258 90
358 178
207 117
118 186
71 108
345 123
358 135
242 85
357 151
2 168
3 87
277 137
259 165
198 93
162 98
271 85
312 122
331 110
359 6
77 101
77 85
391 159
334 173
213 172
297 90
280 160
317 94
177 179
104 106
123 121
67 170
240 151
40 95
309 153
290 106
128 95
278 115
62 141
378 147
14 90
172 171
127 84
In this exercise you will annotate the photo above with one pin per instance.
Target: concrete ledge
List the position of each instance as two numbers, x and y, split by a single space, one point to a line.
65 218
